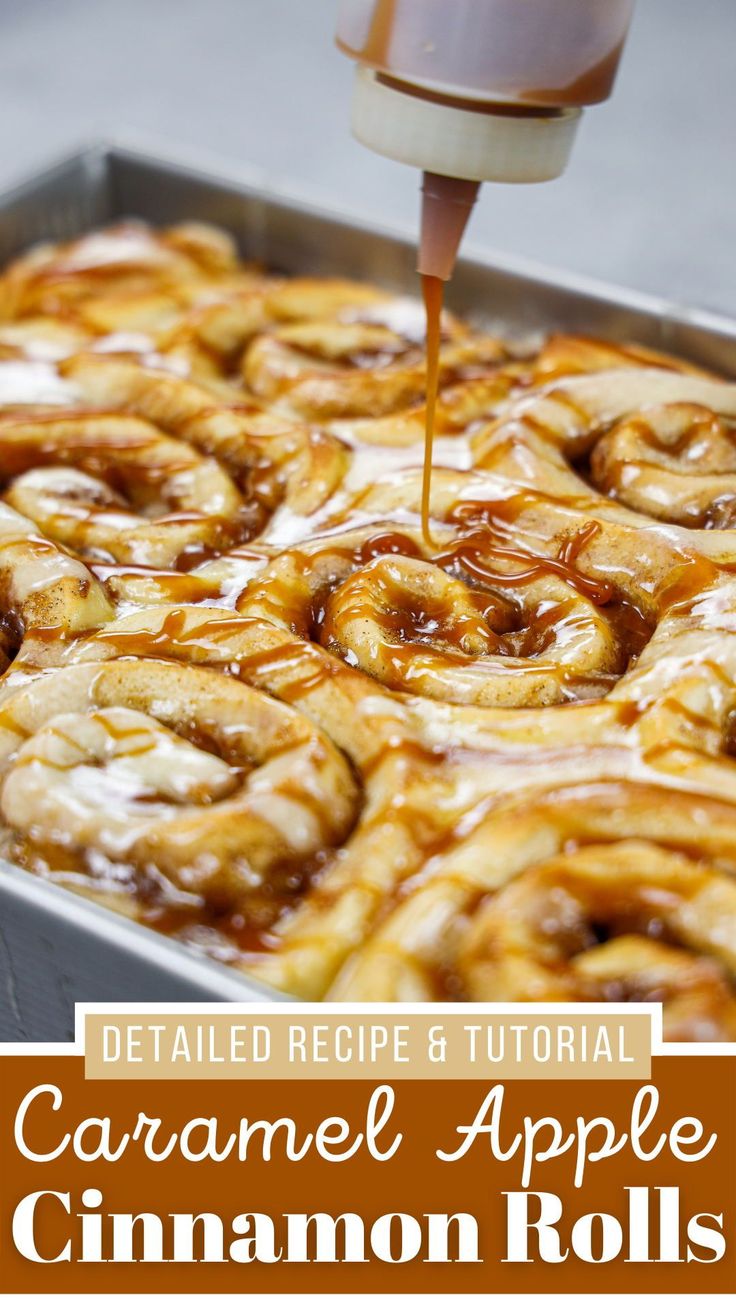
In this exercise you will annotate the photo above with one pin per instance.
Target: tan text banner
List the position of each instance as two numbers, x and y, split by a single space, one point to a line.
280 1045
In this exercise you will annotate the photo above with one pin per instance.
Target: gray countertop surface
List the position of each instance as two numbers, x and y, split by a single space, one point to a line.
649 200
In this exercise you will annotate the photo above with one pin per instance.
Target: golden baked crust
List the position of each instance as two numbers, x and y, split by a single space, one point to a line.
245 702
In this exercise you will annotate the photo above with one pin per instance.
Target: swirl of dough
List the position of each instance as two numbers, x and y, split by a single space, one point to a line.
45 593
572 413
587 893
113 488
675 462
563 355
169 770
174 295
225 322
265 654
613 922
273 460
331 370
126 276
530 638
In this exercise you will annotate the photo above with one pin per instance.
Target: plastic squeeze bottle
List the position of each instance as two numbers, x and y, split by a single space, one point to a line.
471 91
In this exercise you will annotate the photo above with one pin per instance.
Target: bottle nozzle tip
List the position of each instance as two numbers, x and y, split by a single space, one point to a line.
446 206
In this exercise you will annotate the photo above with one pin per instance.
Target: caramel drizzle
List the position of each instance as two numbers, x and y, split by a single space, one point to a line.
471 551
433 292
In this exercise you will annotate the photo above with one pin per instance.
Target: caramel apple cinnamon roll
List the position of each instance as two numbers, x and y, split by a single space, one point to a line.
563 355
331 370
626 921
462 405
570 414
225 323
529 638
264 654
46 595
272 459
140 270
151 772
675 462
545 901
112 487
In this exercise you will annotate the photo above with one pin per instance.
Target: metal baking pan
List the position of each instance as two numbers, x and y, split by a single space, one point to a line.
56 948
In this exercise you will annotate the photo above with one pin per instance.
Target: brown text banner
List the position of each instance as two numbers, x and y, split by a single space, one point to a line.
612 1186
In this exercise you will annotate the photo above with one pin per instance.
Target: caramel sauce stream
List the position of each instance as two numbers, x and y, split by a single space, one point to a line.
433 289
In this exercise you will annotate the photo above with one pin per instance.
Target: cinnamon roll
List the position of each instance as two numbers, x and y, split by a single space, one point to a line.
245 700
205 783
46 595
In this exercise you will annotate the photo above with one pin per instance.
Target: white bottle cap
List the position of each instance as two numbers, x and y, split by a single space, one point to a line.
491 143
